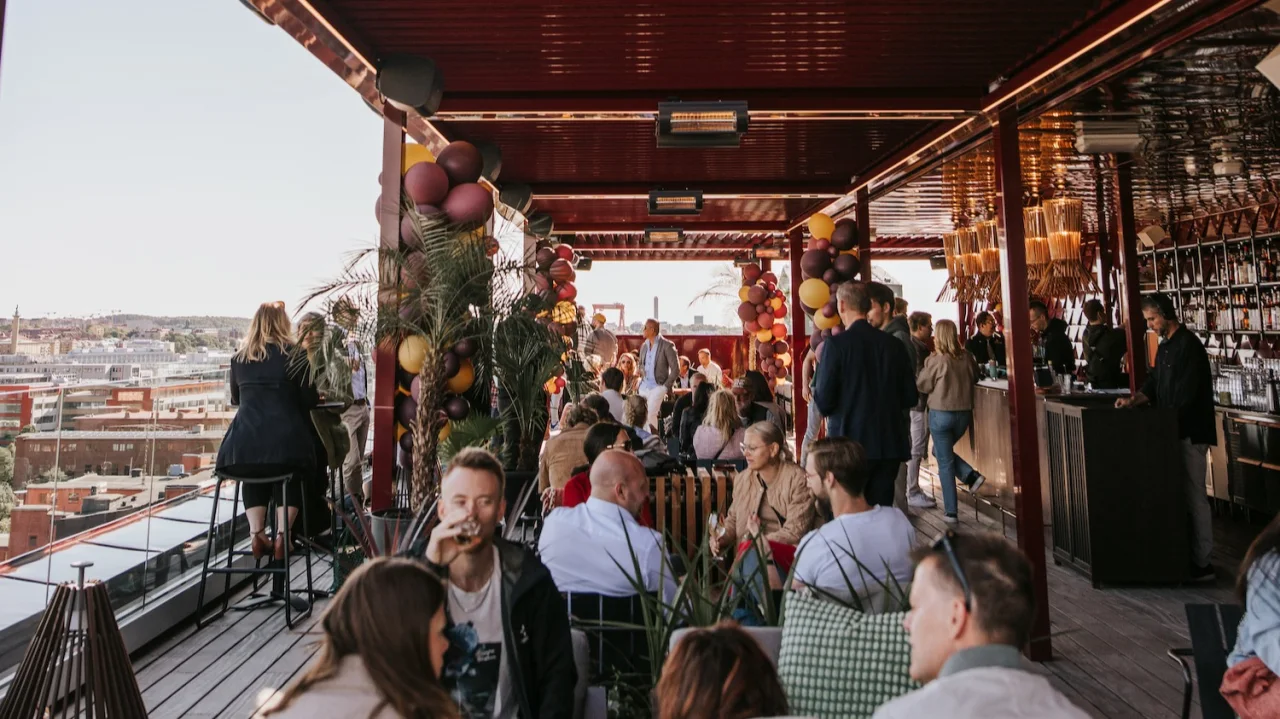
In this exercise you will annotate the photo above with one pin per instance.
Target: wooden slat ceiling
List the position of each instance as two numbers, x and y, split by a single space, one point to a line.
568 89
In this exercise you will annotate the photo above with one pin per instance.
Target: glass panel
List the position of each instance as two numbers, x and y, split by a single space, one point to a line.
121 569
165 534
22 600
198 509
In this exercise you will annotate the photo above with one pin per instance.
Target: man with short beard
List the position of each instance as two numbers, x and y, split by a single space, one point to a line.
863 544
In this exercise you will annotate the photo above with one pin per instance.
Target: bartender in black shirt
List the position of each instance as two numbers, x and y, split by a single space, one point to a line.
1183 381
987 345
1104 349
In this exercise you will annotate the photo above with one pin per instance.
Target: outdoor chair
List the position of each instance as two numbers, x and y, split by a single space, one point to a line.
1213 634
278 570
614 649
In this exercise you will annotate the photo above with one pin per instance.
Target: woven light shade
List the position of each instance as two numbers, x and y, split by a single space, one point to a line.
1065 276
988 238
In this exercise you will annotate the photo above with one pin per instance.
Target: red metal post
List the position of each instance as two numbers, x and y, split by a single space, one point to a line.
863 212
384 391
795 243
1022 399
1135 327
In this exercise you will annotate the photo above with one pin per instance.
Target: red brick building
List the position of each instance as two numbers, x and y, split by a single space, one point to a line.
108 453
200 394
182 419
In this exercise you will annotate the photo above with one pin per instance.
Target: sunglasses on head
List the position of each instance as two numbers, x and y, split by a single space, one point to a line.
945 544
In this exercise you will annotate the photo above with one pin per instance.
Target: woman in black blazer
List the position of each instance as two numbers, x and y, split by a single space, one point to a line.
271 433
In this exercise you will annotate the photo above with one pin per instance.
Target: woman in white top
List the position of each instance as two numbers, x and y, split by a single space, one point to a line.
721 434
381 653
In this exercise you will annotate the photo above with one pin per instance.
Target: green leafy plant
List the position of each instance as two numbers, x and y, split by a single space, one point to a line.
526 353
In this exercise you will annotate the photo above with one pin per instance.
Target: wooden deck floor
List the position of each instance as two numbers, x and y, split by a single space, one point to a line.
1109 645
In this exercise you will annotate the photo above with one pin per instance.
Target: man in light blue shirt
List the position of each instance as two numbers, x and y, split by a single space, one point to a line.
659 368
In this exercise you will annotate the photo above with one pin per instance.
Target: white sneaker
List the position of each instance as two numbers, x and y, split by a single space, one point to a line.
978 481
921 501
951 519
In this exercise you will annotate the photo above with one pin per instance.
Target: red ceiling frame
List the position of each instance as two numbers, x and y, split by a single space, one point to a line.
850 100
734 189
688 223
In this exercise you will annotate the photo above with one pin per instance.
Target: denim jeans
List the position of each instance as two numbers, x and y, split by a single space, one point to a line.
810 431
947 428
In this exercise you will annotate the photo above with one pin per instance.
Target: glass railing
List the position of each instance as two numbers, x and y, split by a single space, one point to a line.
118 472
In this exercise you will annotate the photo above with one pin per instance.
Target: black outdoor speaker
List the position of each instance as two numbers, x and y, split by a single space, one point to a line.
491 156
411 83
516 195
938 262
541 225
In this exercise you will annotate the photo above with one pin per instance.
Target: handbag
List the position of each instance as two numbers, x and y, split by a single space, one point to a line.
1251 689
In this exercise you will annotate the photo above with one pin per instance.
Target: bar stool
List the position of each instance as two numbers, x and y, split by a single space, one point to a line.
281 590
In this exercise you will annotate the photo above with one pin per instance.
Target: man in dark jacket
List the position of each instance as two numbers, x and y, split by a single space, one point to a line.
1055 348
987 344
864 385
510 654
1183 380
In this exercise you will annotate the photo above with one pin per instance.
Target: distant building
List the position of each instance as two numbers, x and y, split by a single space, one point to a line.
26 404
198 394
167 420
118 453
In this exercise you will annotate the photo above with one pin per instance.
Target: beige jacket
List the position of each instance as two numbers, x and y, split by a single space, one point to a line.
349 693
560 456
788 495
949 381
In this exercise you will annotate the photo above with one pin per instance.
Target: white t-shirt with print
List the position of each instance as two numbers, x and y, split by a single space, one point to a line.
477 669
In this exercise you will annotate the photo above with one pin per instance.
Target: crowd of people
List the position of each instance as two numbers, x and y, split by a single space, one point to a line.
480 627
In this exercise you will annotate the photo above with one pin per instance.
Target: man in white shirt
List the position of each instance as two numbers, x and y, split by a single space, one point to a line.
590 547
659 369
866 549
971 611
710 369
612 380
355 417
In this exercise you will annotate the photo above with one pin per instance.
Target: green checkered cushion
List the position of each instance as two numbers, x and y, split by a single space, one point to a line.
840 663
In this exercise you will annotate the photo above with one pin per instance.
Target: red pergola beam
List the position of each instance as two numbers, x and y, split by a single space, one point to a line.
731 187
606 228
853 100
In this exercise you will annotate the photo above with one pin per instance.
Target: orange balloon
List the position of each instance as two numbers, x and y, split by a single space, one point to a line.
779 331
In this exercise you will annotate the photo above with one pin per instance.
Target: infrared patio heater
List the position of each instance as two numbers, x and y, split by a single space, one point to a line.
701 124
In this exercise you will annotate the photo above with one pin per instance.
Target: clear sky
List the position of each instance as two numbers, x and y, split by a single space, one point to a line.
183 157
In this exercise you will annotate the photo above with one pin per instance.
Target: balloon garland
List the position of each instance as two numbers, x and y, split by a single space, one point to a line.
763 311
447 184
830 260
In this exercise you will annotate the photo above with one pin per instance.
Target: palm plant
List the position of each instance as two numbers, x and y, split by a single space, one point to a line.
526 353
452 293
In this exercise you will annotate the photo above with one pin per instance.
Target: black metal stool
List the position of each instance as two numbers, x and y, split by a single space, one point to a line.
278 570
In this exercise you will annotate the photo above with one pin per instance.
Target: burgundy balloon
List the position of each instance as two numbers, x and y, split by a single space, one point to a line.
409 233
457 408
545 257
820 245
829 309
451 365
817 350
807 309
848 266
770 287
567 292
427 210
468 204
765 319
466 348
747 312
415 388
781 311
461 161
780 347
406 410
762 308
415 266
836 330
404 458
756 295
564 252
833 253
814 263
541 282
751 327
768 277
845 236
427 183
765 350
831 276
561 271
406 443
751 273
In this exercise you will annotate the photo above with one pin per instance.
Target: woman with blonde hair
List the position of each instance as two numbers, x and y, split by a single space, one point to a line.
635 412
381 652
949 376
630 377
721 434
271 434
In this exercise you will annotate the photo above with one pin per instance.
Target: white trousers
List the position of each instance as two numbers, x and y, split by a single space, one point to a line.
1195 456
919 449
654 396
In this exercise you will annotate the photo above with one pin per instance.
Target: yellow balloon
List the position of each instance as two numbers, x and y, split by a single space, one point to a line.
564 313
742 293
776 302
400 430
821 226
764 336
445 431
814 293
412 353
415 153
462 381
785 358
550 386
825 323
